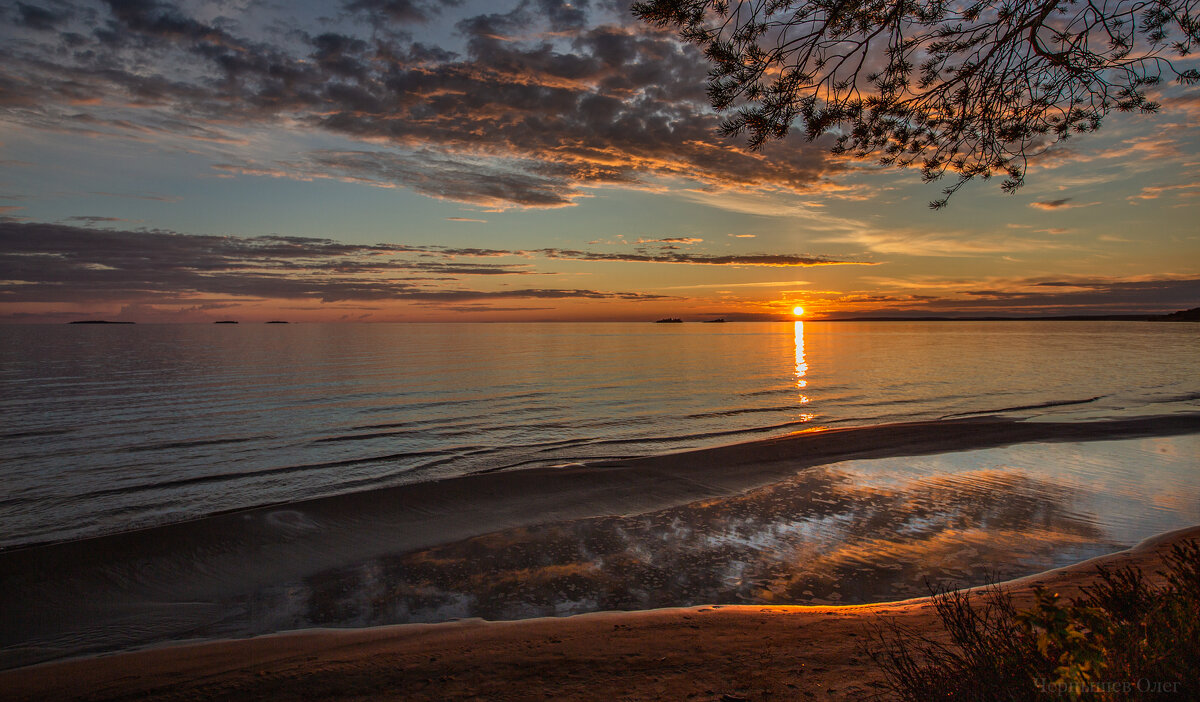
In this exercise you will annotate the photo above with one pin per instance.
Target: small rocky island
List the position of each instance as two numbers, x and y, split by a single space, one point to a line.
669 320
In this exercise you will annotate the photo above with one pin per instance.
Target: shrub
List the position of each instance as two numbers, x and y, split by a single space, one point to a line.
1121 638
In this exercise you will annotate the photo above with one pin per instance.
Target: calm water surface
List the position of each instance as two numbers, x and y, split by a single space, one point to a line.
109 428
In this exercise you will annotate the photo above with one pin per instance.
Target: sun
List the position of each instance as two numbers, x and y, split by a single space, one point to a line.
798 310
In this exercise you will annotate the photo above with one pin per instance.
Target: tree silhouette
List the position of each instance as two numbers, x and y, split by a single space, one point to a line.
970 88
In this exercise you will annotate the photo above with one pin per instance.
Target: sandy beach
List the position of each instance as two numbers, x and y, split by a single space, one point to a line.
703 653
236 575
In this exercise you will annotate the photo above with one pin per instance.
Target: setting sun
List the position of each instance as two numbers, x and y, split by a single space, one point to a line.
797 310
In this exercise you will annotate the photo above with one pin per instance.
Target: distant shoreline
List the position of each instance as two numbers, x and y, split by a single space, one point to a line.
1189 315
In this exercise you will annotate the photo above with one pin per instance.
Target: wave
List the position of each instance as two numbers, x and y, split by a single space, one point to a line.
742 410
193 444
1018 408
32 433
243 475
1182 397
548 446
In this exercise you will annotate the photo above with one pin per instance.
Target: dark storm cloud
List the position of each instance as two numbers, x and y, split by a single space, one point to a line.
40 18
395 10
147 23
42 262
540 106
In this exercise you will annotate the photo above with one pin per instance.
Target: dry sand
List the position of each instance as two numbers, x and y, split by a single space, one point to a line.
703 653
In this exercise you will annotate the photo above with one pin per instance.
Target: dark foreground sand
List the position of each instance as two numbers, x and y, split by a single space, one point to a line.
705 653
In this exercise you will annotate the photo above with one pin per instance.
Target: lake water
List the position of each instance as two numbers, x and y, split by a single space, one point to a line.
111 428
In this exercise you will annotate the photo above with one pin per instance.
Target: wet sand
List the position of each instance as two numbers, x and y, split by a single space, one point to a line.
206 578
703 653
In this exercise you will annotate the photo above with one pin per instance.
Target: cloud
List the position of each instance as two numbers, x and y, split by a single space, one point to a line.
945 244
1153 192
60 263
665 254
466 219
537 106
1061 204
6 217
93 219
490 308
40 18
701 259
672 240
766 284
154 197
393 10
536 293
1034 296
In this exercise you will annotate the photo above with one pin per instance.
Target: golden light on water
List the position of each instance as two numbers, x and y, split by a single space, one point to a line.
801 362
798 310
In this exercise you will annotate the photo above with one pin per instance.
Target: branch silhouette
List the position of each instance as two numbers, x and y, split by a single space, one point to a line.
964 88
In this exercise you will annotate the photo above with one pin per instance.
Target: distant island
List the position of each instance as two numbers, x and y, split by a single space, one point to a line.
719 320
276 321
225 321
1192 315
97 321
669 320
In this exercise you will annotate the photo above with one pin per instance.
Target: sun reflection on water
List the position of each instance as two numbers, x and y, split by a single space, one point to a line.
801 363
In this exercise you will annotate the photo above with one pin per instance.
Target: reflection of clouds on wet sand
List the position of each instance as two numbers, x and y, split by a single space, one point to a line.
820 537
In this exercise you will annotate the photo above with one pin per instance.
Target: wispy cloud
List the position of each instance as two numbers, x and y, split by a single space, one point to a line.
1153 192
93 219
61 263
1065 203
141 196
765 284
947 244
672 240
1068 295
702 259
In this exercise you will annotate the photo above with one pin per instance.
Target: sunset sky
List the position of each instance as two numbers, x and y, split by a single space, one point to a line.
461 160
